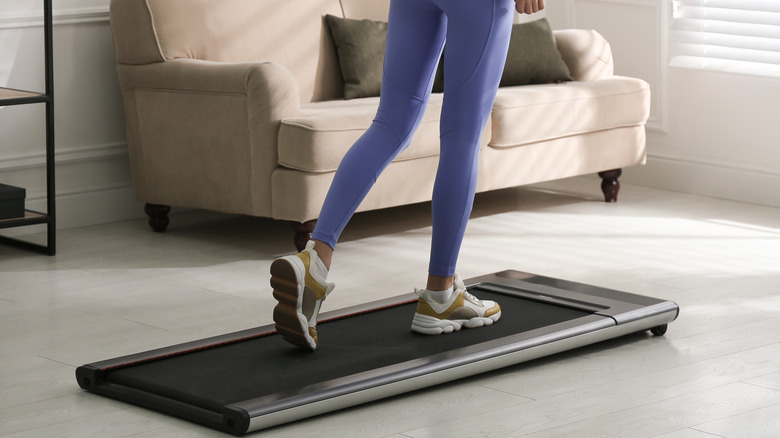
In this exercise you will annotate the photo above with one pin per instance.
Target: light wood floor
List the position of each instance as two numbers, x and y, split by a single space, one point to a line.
117 289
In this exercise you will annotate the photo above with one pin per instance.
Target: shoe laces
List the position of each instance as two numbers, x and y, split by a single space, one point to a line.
472 298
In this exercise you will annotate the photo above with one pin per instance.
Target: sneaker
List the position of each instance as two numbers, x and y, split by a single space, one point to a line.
461 310
300 287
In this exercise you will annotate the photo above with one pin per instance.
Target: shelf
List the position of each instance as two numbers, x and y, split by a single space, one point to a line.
10 96
30 218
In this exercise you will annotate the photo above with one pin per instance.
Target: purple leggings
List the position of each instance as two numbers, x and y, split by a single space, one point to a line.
477 34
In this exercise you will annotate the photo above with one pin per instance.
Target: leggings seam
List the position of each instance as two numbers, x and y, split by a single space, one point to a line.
401 138
385 77
423 104
482 55
461 126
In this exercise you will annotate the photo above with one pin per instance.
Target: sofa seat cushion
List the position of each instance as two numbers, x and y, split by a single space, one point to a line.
530 114
318 138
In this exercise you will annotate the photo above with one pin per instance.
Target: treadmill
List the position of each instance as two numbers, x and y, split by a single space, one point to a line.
252 379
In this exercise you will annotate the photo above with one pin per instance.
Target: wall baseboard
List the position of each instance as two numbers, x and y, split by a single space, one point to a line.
85 207
93 185
716 180
10 163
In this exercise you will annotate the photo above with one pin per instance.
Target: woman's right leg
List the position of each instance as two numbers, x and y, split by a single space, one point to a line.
415 37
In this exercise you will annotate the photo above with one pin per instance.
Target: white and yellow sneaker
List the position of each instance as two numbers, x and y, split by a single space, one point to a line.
300 288
461 310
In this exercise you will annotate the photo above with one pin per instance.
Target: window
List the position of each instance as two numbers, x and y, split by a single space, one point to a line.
741 36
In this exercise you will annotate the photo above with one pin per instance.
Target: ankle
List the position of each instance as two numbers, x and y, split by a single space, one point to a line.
324 252
437 283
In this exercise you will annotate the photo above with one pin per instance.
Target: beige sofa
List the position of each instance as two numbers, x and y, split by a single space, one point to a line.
236 106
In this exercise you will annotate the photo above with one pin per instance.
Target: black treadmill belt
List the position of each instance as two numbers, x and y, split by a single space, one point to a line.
226 374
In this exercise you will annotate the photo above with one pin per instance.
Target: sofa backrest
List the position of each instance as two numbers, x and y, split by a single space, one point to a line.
289 32
376 10
292 33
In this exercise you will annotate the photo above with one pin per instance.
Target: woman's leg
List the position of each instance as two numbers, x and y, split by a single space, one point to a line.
477 41
415 36
414 41
478 34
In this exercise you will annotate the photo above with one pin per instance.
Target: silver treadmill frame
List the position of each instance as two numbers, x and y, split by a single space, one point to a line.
615 314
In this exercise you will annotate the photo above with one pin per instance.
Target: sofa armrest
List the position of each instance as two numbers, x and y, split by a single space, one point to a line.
586 52
187 118
209 76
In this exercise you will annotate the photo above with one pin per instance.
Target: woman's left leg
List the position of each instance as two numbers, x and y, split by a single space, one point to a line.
478 34
477 41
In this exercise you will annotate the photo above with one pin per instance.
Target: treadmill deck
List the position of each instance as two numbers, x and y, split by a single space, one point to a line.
253 379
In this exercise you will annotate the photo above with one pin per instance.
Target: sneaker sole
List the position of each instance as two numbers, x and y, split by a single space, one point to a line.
429 325
288 283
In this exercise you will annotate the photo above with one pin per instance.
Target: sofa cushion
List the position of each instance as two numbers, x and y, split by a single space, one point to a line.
533 56
318 138
534 113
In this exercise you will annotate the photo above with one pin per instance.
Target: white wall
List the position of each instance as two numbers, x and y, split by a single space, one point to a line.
709 133
93 177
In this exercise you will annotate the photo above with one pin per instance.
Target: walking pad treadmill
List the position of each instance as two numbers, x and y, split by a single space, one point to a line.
252 379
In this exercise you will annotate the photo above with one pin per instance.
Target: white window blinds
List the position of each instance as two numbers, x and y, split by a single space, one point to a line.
733 35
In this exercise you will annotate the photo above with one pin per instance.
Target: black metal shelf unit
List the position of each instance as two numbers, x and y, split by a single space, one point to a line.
9 97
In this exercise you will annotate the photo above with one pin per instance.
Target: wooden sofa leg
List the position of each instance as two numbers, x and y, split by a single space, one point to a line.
303 233
610 185
158 217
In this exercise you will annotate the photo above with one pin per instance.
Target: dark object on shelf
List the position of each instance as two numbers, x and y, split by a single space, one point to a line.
11 202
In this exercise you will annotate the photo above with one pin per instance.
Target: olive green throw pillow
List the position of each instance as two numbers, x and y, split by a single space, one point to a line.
360 48
533 56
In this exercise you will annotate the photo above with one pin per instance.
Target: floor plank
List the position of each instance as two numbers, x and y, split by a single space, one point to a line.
670 414
759 423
